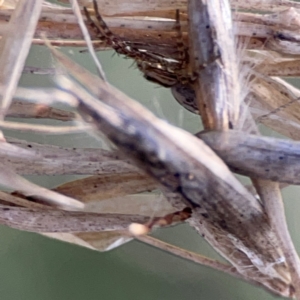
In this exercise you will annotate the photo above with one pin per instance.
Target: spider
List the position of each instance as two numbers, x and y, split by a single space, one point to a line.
168 72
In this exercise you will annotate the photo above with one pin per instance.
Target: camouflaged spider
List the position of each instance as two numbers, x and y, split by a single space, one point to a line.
168 72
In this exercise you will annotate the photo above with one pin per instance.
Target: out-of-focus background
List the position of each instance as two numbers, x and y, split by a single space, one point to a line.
37 268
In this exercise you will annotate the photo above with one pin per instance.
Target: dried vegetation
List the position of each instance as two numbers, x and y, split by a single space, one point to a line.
151 155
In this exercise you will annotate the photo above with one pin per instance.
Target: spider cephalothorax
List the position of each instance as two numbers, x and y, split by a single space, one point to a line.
169 72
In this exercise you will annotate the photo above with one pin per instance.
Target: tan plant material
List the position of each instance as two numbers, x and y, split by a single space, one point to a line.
107 186
257 156
29 158
20 30
253 238
22 109
42 220
166 164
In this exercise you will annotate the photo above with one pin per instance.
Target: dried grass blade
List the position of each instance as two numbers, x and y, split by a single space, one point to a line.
23 109
107 186
61 23
10 151
269 193
101 241
283 68
275 103
41 220
46 129
152 205
266 5
19 36
11 180
112 6
68 238
212 106
145 205
104 241
257 156
171 165
43 159
13 200
44 96
87 38
217 100
197 258
5 4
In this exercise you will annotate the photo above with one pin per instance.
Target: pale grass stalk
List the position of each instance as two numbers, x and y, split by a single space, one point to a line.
202 51
109 118
100 241
105 240
133 6
191 256
18 201
44 128
159 26
87 38
22 109
257 156
44 96
151 205
97 188
271 196
20 32
214 48
69 43
181 139
28 158
41 220
10 151
11 180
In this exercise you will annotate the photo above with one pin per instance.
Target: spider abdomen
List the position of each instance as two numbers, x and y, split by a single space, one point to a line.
185 95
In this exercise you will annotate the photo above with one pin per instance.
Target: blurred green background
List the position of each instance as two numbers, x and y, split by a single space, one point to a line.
37 268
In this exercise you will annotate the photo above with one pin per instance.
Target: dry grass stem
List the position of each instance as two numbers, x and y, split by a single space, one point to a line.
22 109
46 129
87 38
269 193
46 159
108 118
41 220
10 179
199 259
20 29
217 100
257 156
107 186
190 47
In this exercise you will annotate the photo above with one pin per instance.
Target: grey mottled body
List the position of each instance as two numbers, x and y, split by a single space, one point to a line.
185 95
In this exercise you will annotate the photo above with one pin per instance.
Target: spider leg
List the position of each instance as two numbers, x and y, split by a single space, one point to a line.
154 66
122 47
182 50
184 75
170 219
167 220
94 25
112 40
104 33
119 46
